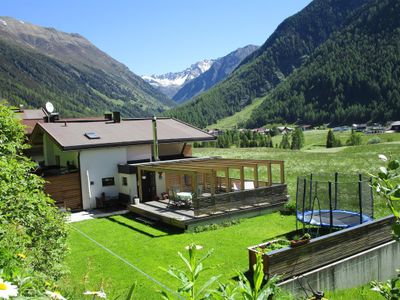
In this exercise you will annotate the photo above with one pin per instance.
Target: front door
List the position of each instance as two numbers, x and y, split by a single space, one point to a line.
148 186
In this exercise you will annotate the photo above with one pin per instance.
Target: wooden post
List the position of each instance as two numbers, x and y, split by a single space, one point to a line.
228 180
213 181
269 171
282 172
194 183
139 182
256 176
241 178
180 182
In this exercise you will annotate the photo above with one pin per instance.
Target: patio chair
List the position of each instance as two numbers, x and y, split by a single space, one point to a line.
172 197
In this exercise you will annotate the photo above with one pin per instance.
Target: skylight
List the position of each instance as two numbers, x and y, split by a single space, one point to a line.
92 135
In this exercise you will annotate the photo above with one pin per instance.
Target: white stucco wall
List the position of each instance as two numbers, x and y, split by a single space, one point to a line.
138 152
131 188
160 184
97 164
170 149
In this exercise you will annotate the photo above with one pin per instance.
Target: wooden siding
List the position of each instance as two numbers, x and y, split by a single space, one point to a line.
65 190
324 250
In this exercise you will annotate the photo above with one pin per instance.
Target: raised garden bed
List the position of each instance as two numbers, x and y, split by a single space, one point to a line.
288 261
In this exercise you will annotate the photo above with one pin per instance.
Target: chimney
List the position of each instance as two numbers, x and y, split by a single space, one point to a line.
108 116
155 139
116 116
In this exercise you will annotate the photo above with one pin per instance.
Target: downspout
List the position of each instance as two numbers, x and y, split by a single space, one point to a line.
155 139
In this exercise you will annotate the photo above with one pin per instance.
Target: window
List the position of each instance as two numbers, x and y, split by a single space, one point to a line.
108 181
124 181
92 135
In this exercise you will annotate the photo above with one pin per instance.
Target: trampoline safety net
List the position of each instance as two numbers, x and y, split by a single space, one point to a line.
334 200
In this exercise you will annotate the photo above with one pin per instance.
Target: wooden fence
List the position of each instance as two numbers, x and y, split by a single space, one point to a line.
324 250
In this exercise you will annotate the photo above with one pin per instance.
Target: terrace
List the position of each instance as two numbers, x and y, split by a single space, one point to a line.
198 191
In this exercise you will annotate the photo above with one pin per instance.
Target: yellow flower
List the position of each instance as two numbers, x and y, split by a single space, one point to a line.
21 255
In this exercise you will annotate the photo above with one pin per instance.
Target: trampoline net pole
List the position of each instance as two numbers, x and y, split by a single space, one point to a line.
297 202
336 189
371 197
360 196
330 205
304 200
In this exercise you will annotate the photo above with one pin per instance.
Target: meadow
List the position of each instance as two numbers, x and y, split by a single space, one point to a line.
151 248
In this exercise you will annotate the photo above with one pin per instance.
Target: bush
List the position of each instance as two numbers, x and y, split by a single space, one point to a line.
374 140
32 231
354 139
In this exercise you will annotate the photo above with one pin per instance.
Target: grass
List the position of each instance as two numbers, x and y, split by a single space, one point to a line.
239 117
150 248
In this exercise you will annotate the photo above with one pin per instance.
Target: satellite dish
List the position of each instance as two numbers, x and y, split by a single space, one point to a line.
49 107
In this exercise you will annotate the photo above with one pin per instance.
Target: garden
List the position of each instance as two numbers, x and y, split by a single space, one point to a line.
153 248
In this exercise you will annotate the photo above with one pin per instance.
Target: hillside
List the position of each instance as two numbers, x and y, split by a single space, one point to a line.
219 70
353 77
285 50
40 64
172 82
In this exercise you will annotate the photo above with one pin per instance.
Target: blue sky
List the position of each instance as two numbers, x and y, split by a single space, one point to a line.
159 36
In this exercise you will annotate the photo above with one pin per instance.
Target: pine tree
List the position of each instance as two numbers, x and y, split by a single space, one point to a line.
330 139
285 144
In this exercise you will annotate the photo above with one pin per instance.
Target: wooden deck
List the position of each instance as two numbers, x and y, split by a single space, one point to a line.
187 219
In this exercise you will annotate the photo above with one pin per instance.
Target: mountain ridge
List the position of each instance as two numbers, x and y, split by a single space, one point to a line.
284 51
92 72
219 70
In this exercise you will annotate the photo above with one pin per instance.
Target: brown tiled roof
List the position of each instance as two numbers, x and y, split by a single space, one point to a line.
71 136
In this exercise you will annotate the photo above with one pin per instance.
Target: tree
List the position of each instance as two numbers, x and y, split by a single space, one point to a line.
32 230
354 139
285 144
297 139
330 139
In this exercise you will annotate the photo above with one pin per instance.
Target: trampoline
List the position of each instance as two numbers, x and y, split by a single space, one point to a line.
334 200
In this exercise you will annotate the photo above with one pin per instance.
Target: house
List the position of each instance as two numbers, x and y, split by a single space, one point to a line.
80 158
395 126
285 129
359 127
29 118
375 128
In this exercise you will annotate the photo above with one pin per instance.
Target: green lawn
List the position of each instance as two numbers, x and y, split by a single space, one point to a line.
151 248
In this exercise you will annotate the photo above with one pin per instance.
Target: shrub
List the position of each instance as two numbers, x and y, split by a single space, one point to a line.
374 140
32 231
354 139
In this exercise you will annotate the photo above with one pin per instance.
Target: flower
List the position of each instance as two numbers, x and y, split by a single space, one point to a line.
55 295
382 157
194 246
21 255
7 290
99 294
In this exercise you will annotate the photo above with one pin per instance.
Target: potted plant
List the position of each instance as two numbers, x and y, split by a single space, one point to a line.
305 239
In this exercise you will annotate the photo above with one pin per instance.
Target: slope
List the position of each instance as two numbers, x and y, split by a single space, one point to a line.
82 63
219 70
294 39
352 77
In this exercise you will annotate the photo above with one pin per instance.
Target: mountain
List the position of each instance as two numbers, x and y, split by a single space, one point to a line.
286 49
170 83
353 77
219 70
40 64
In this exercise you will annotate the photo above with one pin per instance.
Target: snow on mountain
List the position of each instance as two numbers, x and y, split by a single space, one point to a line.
171 82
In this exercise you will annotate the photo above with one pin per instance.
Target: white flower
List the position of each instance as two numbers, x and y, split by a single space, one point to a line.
197 247
7 290
382 157
99 294
55 295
